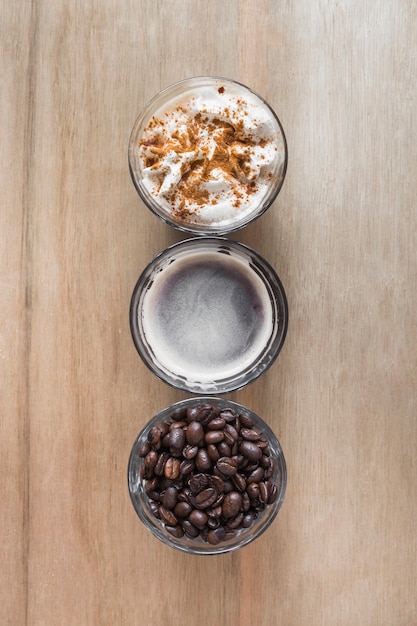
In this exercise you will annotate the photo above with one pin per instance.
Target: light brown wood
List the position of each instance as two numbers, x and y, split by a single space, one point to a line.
343 237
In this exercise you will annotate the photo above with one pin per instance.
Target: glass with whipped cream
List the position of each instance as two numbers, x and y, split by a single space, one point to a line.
208 315
208 155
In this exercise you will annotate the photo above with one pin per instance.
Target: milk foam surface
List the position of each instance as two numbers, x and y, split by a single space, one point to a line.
210 155
207 316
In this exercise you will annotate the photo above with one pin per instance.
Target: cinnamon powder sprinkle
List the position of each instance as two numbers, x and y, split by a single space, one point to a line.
231 155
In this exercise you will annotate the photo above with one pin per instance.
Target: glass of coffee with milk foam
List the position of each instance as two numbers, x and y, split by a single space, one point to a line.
208 155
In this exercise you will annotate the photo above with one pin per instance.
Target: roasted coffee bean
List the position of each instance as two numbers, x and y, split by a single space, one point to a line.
189 452
189 529
250 434
175 531
263 446
263 492
226 466
198 518
180 424
165 441
229 534
198 482
217 482
179 414
216 535
191 500
264 460
213 452
155 495
193 413
206 498
163 427
186 467
177 439
231 504
251 466
218 500
239 481
217 423
202 460
154 435
214 436
213 522
194 433
241 461
256 475
151 459
245 502
236 521
201 413
167 516
170 498
245 421
214 511
160 464
253 491
182 509
273 494
250 450
172 468
269 471
229 440
152 484
247 520
232 432
224 449
228 415
145 474
144 449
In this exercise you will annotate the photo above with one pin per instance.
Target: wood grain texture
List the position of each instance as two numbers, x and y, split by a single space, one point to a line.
342 236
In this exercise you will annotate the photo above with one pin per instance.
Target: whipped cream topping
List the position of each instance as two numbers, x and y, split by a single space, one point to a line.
207 316
211 155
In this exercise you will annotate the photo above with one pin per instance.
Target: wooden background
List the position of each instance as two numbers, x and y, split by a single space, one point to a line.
342 236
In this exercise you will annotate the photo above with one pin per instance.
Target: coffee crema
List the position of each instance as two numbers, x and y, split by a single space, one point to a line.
207 316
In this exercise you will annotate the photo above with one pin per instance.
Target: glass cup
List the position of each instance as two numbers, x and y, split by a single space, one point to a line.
208 155
234 529
208 315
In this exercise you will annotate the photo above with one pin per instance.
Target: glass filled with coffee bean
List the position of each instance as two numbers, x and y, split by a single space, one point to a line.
207 476
208 315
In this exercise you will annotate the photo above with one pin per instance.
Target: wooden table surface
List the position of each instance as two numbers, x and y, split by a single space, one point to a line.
342 235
